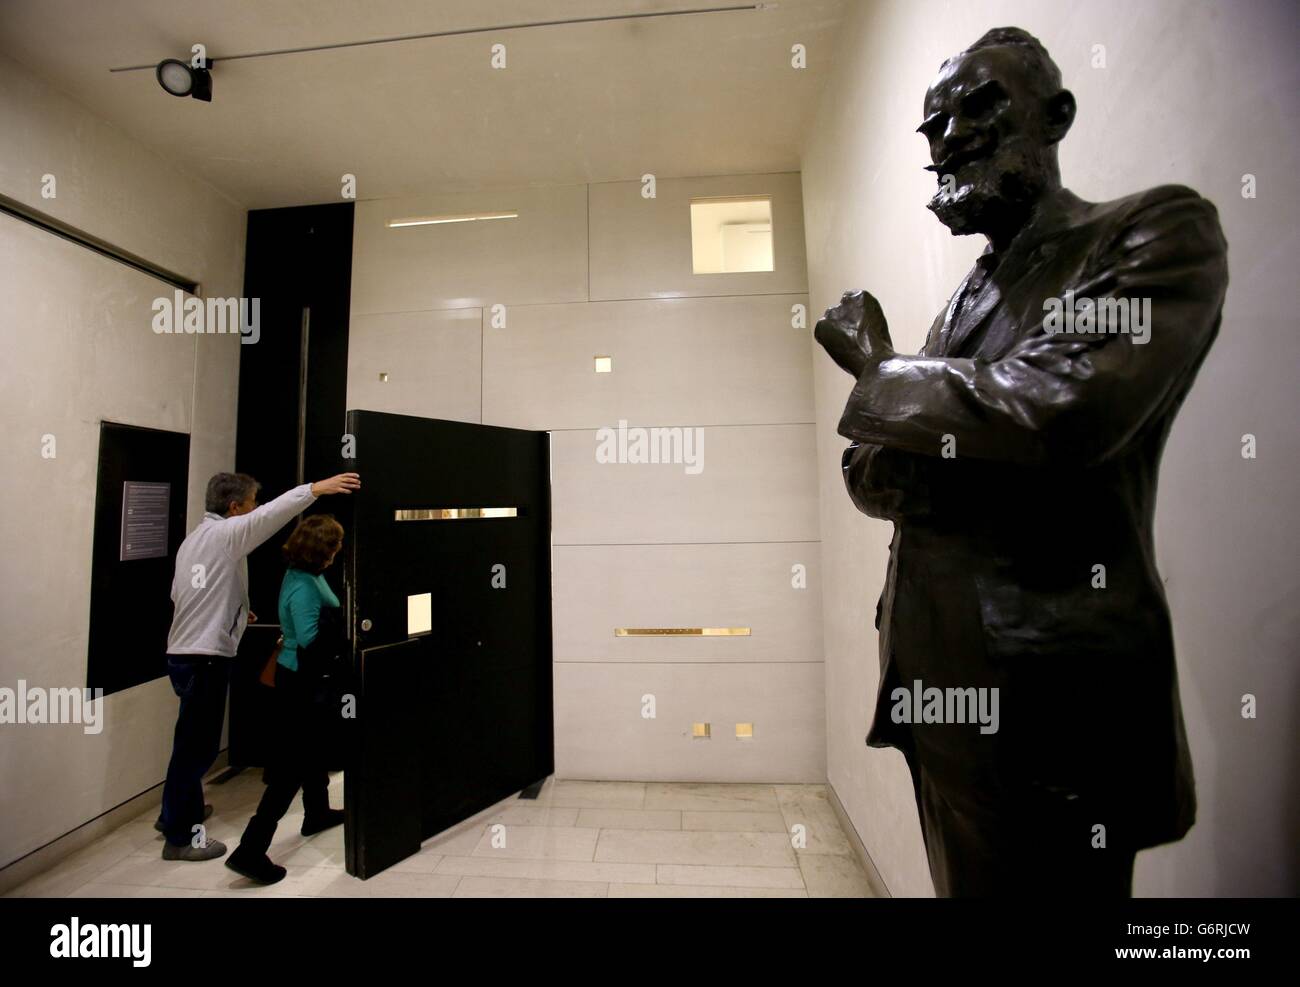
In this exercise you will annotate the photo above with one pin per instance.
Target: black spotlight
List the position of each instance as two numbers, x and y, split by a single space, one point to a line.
181 79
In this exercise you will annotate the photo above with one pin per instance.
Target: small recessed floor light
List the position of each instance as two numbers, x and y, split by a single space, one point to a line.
604 364
383 378
700 731
744 731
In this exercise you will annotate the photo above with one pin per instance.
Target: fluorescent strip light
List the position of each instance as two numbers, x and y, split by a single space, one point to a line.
720 200
468 217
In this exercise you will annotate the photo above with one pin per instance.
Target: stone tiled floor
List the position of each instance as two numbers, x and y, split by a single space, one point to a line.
577 839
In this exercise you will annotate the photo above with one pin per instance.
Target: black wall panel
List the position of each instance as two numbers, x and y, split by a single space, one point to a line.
295 259
130 601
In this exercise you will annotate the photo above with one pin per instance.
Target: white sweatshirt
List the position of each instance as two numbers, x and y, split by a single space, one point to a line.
212 601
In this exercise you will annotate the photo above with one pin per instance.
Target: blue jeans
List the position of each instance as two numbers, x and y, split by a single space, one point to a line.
201 682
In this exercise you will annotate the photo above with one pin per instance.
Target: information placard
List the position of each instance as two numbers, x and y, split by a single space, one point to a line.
144 520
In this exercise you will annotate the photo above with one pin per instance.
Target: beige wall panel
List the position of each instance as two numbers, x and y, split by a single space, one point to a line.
600 733
757 483
539 257
641 248
600 587
709 360
432 360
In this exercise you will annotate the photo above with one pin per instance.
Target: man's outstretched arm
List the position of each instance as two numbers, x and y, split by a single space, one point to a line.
248 531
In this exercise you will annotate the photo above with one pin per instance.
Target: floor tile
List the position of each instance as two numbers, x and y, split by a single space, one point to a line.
706 797
737 821
738 877
597 795
630 818
699 891
534 842
577 839
516 887
828 875
94 890
558 870
666 847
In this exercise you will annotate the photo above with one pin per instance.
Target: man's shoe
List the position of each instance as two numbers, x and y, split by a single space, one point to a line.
257 868
318 824
212 850
157 823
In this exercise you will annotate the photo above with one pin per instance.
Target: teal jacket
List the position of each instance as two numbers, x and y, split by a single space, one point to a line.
301 597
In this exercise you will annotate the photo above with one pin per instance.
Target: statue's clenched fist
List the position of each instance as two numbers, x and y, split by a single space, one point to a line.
854 332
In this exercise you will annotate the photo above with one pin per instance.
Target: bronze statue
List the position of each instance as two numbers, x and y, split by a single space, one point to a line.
1017 457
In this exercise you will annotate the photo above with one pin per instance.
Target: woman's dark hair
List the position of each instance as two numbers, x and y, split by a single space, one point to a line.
313 543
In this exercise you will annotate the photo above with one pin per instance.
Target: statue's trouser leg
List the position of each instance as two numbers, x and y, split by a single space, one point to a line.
1036 845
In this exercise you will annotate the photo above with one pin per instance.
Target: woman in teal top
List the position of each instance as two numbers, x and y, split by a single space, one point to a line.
302 595
297 756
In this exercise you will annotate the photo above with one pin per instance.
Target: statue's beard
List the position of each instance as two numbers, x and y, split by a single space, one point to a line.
993 193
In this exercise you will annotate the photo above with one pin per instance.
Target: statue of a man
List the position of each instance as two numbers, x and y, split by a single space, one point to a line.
1027 661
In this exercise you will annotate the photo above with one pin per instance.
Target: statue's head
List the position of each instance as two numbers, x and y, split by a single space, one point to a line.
993 117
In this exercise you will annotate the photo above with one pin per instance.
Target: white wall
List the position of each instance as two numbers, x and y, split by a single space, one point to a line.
78 349
1192 93
601 270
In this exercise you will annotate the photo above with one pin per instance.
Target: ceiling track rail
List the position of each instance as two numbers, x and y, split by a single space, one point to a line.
644 15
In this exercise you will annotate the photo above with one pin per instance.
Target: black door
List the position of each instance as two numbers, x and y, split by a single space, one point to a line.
449 596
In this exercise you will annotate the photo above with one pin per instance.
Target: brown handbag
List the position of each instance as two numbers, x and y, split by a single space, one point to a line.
267 675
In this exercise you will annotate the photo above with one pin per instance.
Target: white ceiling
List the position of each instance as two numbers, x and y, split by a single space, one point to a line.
706 94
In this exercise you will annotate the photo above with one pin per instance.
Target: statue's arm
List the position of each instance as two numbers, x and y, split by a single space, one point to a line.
1064 397
885 483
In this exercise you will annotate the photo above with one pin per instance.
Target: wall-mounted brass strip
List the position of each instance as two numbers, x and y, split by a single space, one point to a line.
681 632
454 513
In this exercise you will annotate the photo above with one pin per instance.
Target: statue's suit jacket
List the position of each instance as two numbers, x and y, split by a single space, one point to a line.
1023 559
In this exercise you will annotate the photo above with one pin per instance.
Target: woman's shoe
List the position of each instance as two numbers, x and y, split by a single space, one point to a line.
256 867
318 824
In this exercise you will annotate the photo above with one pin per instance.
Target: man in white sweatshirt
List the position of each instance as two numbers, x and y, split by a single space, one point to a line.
210 593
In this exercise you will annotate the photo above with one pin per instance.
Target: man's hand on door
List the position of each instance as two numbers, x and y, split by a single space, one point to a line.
343 483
